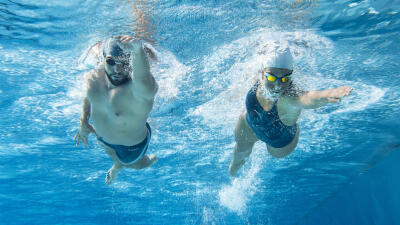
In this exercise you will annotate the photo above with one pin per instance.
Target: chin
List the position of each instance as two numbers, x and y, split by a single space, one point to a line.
274 91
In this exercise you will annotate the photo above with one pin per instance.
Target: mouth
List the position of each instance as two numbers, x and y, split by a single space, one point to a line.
117 77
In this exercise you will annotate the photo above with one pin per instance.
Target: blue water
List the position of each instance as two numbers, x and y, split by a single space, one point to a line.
342 171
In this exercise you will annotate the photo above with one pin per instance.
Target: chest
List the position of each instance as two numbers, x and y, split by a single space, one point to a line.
286 112
120 97
118 101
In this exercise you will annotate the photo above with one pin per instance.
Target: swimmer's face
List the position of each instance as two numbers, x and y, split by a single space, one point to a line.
276 80
118 68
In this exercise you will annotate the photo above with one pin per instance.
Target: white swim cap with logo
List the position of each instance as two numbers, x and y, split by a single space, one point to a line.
280 58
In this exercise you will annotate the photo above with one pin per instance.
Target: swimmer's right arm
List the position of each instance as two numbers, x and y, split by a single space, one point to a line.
143 79
84 127
85 116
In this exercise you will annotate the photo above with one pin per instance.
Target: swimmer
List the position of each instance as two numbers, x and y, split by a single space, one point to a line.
273 106
119 97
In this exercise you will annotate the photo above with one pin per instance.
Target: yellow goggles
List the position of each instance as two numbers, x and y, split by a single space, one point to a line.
273 78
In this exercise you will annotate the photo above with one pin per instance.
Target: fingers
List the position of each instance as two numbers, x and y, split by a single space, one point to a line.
333 99
86 143
339 93
126 38
81 140
346 91
342 91
349 90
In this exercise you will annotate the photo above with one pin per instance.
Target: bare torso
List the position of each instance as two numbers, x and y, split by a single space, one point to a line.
118 113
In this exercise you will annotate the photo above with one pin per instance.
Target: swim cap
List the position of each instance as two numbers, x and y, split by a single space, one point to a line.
112 48
280 58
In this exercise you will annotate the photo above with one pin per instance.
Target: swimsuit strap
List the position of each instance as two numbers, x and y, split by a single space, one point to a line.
252 98
256 104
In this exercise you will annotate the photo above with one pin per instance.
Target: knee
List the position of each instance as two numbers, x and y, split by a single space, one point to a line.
117 167
243 149
280 153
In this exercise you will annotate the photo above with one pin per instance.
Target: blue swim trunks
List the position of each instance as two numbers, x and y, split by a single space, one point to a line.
131 154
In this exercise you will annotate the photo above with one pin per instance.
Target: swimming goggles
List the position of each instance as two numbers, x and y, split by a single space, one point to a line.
110 61
273 78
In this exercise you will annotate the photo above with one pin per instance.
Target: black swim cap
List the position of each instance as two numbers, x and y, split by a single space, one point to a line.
112 48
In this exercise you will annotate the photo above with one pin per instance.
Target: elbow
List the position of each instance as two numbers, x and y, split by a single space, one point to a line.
310 100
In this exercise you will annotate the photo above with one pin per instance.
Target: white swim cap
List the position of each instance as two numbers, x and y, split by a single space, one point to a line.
280 58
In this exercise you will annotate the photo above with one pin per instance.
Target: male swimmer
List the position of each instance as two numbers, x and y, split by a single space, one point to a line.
273 106
119 97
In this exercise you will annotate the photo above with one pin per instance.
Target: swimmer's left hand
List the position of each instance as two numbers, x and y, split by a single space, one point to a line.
336 94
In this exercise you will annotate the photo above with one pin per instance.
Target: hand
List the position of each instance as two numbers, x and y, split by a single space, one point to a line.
126 38
134 44
338 93
82 135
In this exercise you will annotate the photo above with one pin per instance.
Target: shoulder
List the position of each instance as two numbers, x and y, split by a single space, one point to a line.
292 101
96 74
95 78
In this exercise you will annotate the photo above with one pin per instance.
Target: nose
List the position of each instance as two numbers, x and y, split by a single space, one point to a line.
120 67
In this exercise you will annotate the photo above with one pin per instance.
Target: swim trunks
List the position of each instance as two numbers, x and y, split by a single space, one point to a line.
266 124
131 154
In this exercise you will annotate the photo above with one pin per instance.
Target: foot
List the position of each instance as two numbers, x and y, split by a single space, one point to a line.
234 167
112 174
153 158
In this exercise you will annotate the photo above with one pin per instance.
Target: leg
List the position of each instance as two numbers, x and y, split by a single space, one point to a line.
144 162
113 172
245 139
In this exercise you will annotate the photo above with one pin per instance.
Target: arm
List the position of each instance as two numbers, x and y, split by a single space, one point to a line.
85 111
84 127
316 99
143 80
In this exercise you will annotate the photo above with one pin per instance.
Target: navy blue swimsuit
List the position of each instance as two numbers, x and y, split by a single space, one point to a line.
266 124
131 154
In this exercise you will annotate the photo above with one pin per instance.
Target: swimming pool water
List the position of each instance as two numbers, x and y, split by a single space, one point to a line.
209 53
